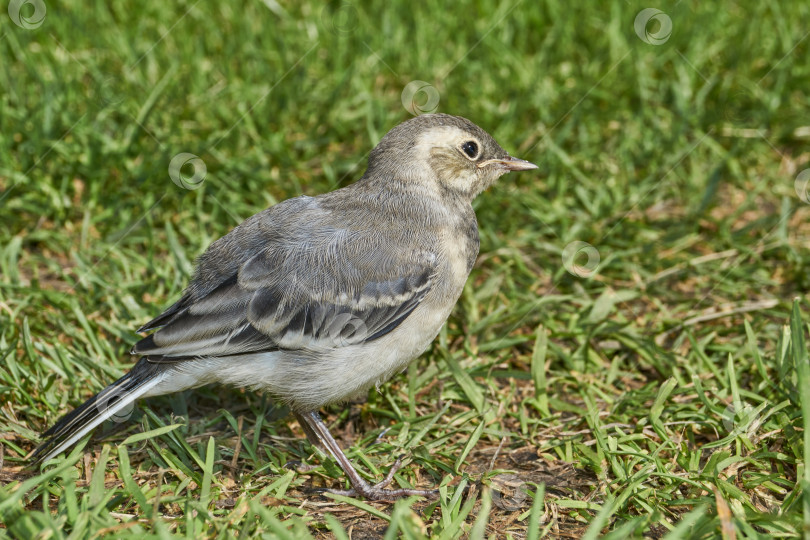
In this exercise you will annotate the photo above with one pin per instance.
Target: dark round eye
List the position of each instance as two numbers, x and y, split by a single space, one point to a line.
470 148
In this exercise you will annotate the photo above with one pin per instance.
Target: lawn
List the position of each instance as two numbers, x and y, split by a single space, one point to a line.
628 358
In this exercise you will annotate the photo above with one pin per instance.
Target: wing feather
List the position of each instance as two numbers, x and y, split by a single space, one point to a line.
313 288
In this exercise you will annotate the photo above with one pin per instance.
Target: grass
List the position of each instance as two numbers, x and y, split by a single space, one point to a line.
660 393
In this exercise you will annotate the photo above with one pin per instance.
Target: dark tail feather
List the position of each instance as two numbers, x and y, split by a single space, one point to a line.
113 400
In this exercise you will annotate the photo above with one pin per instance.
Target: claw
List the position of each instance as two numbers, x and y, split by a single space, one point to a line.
360 487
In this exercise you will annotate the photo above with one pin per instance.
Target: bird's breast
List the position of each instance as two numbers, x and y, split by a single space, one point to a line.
460 243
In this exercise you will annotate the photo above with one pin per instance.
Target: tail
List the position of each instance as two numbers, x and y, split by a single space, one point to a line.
115 400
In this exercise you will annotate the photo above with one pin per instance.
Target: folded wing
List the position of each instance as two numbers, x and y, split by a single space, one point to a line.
300 278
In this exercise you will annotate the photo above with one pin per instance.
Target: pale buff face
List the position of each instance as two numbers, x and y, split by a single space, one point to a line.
446 155
459 158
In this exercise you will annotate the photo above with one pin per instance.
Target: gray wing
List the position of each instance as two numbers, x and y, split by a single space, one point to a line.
294 277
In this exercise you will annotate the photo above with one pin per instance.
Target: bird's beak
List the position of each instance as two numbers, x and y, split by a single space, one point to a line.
509 163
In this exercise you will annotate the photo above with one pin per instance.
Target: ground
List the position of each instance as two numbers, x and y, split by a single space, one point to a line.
628 358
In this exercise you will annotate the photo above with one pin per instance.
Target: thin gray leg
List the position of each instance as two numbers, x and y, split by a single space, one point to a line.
317 430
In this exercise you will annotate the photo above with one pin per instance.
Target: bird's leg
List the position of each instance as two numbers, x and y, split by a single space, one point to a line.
312 436
318 434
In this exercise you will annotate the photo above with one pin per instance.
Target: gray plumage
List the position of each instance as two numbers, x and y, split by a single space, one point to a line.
316 299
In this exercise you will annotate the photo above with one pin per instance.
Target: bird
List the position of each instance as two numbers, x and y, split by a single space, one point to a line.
316 300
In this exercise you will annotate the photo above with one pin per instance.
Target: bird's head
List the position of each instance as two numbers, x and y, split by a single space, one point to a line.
446 150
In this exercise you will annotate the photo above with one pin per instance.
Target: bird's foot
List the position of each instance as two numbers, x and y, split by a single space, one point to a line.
318 434
377 492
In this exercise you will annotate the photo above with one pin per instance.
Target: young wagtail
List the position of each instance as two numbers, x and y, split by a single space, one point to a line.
317 299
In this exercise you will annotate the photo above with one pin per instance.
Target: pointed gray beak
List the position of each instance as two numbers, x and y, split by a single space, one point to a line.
509 163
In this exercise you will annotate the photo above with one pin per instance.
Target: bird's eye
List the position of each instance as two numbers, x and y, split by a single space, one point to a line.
470 148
